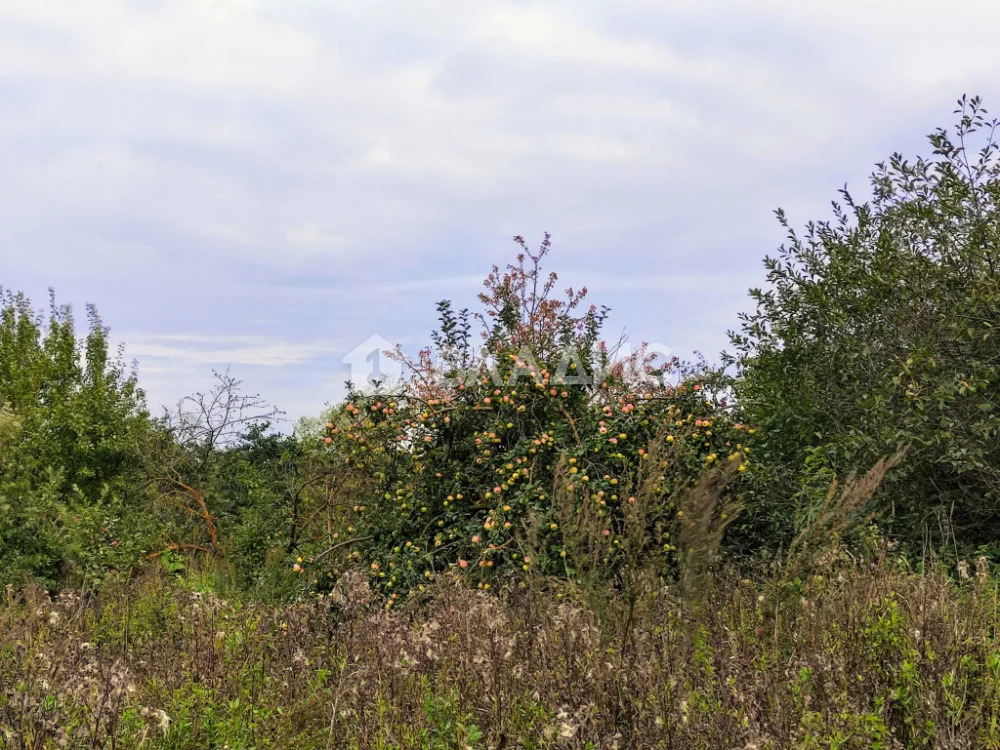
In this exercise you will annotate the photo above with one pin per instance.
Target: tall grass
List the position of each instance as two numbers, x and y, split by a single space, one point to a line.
863 655
831 650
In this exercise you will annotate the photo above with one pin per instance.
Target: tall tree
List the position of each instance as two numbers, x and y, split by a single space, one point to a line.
71 425
879 330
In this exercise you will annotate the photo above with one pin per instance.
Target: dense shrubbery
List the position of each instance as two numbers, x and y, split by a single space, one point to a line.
91 486
539 453
880 330
71 422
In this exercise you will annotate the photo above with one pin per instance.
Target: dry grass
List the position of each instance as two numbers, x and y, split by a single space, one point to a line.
856 658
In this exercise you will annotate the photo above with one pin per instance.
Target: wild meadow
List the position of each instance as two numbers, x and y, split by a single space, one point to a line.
544 536
865 655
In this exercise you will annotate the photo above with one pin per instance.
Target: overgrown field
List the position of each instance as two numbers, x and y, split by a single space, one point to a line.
537 538
866 656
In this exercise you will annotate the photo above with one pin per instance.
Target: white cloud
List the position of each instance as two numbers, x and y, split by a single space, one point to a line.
312 236
679 282
197 43
238 350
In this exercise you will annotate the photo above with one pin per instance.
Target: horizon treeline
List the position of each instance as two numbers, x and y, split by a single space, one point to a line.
522 447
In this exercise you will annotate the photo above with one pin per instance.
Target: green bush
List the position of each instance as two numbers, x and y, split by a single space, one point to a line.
71 425
540 453
877 331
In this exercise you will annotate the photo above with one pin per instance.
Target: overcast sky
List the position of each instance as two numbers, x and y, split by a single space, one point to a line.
267 183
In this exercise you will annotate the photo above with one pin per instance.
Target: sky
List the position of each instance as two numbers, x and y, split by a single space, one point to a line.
266 184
